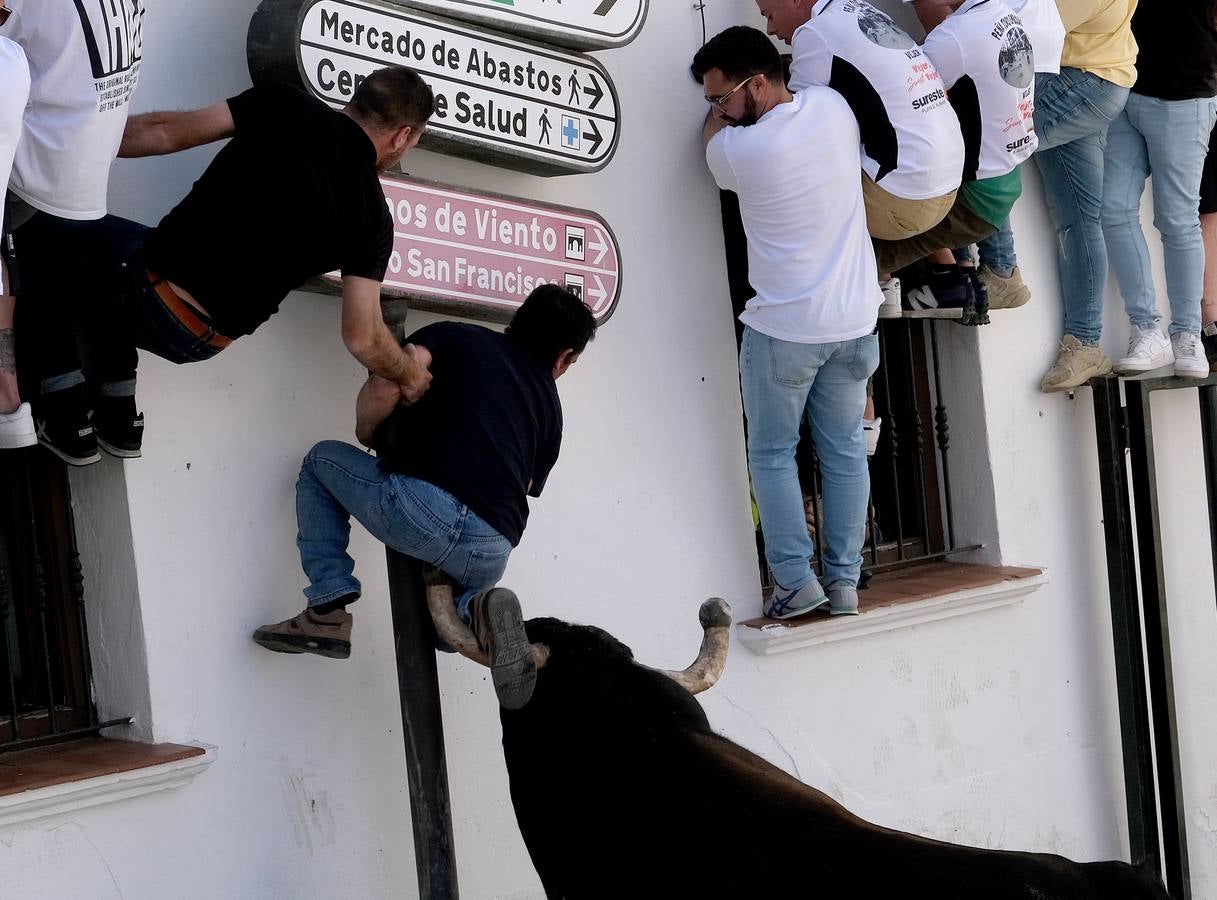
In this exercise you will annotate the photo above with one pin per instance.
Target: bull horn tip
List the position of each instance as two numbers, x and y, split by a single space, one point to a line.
715 613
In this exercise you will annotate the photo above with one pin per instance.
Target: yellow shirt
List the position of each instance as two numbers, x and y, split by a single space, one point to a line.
1099 38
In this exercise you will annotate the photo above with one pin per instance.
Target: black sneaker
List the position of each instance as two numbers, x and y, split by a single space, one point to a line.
498 625
61 420
943 290
120 429
1208 337
979 315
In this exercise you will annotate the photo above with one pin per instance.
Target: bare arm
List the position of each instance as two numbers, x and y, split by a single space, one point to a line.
377 399
713 125
370 341
157 133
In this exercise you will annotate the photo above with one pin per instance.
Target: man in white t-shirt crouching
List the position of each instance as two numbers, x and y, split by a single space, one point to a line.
809 342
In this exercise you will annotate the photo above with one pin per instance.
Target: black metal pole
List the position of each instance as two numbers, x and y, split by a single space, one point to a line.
1139 786
422 730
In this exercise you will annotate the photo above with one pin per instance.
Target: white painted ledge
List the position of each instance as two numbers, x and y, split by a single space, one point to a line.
77 795
777 638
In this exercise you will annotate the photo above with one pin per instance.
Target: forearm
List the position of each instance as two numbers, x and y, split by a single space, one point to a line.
380 354
377 399
147 135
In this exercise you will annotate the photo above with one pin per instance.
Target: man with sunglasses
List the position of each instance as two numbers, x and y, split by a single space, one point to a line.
16 424
809 342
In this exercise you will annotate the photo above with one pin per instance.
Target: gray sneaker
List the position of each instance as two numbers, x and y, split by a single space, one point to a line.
786 604
1076 363
310 632
498 625
842 599
1005 291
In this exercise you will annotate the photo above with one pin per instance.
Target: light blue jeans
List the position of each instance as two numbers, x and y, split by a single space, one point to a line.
1168 139
1072 113
781 381
413 517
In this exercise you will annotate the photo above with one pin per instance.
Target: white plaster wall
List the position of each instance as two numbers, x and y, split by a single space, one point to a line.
997 729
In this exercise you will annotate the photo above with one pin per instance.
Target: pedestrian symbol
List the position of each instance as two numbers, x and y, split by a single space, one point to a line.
571 126
544 139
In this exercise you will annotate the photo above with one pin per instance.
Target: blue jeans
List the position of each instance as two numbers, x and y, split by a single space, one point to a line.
1168 139
1072 113
413 517
781 381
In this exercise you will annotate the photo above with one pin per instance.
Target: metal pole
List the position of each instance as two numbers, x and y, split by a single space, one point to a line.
422 730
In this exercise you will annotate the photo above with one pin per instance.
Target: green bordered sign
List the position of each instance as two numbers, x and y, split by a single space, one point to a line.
578 24
499 100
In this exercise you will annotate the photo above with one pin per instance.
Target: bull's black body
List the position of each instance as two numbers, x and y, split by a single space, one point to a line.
622 790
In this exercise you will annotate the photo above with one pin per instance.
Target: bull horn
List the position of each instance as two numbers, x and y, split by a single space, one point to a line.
715 617
448 625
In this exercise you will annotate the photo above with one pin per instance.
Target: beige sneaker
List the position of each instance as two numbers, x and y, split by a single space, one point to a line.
1076 363
1005 293
326 634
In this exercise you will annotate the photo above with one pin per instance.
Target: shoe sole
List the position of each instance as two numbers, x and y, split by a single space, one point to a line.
1194 373
512 668
17 441
119 452
1138 369
69 459
843 612
331 648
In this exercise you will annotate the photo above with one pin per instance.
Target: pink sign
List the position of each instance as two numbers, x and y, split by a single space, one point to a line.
480 255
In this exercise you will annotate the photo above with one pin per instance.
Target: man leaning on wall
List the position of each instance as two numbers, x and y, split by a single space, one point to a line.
295 194
809 341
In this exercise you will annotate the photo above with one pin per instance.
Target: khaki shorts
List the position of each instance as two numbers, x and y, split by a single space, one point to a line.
892 218
960 227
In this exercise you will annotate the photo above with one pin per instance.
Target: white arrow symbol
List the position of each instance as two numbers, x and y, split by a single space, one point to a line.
598 292
600 246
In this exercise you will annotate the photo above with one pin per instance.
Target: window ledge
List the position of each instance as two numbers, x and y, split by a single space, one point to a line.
81 774
901 599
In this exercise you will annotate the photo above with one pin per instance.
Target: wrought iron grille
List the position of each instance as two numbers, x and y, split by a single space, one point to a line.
45 677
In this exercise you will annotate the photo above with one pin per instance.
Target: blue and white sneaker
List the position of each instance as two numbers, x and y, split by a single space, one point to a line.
842 599
786 604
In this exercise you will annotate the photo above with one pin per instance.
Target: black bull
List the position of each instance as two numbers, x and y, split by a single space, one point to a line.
622 790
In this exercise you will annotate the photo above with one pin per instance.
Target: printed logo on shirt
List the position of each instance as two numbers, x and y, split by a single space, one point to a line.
1016 61
113 32
879 27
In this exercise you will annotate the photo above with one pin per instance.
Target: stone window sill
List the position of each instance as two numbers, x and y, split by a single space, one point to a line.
899 599
77 775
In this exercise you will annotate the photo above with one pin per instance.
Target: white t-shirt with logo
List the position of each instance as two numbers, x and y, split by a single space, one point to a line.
15 78
911 144
984 55
1043 22
810 258
84 60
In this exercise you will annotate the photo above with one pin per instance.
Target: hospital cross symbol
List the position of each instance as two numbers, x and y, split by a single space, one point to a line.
570 132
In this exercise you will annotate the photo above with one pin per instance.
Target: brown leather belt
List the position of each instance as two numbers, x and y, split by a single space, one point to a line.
187 315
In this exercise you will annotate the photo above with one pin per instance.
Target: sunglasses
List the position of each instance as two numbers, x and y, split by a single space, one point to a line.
722 101
5 12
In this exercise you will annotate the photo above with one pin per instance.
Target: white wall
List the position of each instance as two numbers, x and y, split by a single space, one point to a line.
997 729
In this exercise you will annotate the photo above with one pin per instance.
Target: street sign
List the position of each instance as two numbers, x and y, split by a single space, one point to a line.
578 24
479 255
498 99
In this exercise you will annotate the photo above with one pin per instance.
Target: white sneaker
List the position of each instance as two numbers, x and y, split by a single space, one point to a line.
871 428
1190 361
891 299
17 428
1148 349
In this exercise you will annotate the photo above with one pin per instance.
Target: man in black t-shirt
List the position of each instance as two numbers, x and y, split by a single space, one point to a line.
293 195
449 483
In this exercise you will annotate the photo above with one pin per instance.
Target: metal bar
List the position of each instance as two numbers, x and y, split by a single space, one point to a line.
1135 741
943 428
1157 639
919 444
423 730
40 601
1208 445
893 438
76 587
912 561
60 736
817 494
5 606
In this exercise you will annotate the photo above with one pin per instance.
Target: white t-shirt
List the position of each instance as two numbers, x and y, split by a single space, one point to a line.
911 145
1043 22
15 78
810 258
985 58
84 61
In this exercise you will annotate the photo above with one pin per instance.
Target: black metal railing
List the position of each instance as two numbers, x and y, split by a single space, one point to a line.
45 675
1132 525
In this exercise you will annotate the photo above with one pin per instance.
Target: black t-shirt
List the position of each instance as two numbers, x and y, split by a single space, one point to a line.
1178 49
293 195
490 424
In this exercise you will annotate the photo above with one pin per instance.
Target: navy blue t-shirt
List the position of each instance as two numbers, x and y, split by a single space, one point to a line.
490 424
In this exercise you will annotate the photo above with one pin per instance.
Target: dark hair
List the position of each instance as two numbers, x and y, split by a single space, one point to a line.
739 52
552 319
391 98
